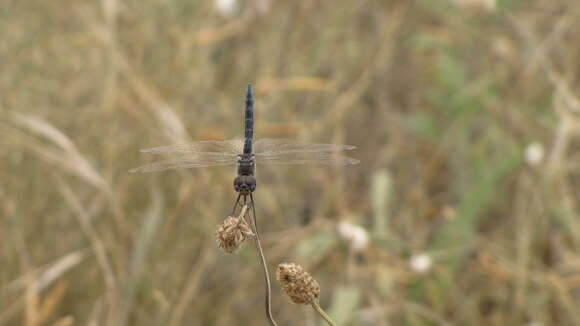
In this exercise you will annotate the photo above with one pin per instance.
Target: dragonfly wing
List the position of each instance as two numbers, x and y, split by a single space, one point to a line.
226 147
187 163
275 147
320 158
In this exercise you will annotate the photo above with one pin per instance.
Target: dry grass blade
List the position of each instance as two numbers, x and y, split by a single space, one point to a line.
170 121
97 244
51 300
69 156
214 35
296 83
32 302
384 49
50 274
64 321
425 312
66 155
143 243
110 11
63 265
193 281
568 108
46 277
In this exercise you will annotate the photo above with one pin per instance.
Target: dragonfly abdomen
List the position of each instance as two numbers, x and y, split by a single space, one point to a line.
249 121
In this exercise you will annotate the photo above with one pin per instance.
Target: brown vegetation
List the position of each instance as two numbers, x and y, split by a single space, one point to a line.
465 115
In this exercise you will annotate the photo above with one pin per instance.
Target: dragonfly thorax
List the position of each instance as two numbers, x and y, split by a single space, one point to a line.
245 182
246 164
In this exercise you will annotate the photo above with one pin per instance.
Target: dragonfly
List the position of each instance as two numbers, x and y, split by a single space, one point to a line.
246 153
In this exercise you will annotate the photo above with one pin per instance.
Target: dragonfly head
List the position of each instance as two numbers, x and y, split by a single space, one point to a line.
245 184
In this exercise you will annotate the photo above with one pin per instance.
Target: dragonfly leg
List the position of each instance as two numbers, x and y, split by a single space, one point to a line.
253 208
236 205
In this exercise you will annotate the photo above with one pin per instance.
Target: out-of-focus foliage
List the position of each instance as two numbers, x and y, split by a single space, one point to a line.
465 115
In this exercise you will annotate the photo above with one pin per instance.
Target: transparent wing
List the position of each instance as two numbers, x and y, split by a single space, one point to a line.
273 147
199 161
320 158
231 147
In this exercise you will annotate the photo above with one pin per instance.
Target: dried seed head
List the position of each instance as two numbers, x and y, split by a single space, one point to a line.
231 233
297 283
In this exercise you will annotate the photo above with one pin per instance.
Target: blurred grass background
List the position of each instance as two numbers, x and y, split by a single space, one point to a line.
464 113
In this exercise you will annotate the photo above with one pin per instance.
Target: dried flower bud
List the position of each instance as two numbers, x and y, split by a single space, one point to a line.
231 233
297 283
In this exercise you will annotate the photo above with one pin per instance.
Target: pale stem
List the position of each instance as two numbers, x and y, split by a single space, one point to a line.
264 266
323 314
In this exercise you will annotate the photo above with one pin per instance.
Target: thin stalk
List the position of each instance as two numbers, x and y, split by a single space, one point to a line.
323 314
264 265
242 213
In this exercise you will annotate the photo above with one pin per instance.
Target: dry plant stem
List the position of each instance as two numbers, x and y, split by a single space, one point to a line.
323 314
264 265
243 212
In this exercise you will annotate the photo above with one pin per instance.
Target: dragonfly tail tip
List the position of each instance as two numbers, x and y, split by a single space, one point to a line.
249 91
